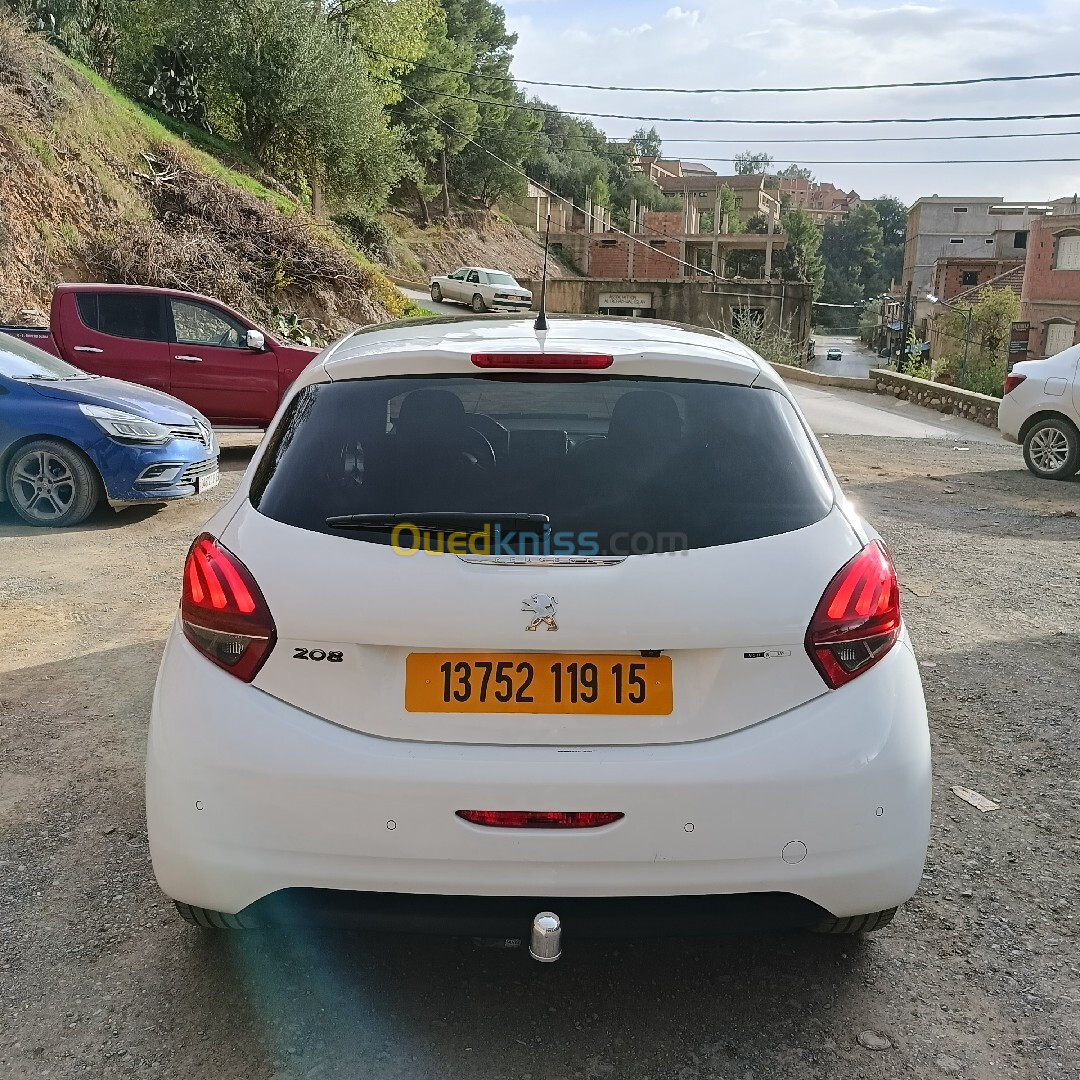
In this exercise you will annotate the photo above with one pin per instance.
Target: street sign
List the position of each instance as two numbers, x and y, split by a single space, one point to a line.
635 300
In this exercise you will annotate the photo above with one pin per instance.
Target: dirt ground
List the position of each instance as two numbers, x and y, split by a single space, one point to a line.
978 977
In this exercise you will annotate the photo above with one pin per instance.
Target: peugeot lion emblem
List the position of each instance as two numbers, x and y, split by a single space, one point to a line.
543 608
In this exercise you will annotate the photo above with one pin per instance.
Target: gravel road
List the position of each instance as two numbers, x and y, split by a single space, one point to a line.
978 977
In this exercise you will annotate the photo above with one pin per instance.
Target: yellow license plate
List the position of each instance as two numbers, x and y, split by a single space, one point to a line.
599 683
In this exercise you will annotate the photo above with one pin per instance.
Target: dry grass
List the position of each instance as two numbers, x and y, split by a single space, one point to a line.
94 189
209 238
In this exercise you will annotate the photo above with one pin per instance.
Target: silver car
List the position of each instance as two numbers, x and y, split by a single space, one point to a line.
482 289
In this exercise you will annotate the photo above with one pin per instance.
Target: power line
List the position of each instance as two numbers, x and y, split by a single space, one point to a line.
621 143
551 111
890 161
728 89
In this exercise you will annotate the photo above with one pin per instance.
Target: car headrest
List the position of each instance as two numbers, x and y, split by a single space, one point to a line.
430 413
644 420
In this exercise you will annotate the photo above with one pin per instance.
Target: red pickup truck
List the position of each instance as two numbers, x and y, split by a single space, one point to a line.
187 345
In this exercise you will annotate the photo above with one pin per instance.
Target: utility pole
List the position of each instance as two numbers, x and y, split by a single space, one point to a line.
904 327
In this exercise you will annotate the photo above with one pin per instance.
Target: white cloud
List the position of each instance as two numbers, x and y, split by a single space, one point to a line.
682 15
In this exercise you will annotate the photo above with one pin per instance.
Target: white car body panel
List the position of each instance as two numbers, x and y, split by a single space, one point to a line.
1050 386
247 795
315 776
376 606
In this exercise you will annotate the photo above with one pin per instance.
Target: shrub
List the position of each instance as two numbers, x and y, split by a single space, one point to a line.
369 233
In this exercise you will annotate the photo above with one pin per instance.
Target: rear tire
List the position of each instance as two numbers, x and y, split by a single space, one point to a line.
436 293
51 484
207 919
1052 449
478 304
855 924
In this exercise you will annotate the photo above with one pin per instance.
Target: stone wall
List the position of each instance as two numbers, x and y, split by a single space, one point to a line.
947 399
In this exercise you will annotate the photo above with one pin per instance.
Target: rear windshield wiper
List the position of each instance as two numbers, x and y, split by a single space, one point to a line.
463 521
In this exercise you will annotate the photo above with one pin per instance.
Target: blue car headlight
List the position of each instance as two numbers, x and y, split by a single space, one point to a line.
127 427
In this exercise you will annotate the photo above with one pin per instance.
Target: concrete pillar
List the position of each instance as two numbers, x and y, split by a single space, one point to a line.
633 216
588 215
631 246
768 247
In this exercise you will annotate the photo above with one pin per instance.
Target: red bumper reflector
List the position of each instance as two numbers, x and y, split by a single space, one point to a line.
565 361
541 819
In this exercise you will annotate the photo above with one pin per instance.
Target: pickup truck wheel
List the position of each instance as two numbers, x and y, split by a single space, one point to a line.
50 483
478 304
436 292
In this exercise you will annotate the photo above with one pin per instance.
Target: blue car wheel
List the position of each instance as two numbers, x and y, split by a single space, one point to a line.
50 483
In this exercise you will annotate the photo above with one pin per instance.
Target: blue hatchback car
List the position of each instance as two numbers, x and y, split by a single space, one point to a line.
69 439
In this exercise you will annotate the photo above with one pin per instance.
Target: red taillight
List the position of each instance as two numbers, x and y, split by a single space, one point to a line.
566 361
223 612
1012 381
540 819
858 619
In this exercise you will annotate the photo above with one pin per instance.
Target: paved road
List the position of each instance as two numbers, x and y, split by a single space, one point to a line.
832 411
855 361
425 301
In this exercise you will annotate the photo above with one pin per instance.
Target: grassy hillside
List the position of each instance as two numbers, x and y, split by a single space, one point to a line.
92 188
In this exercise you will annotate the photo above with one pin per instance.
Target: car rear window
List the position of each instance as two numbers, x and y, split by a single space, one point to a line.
121 314
600 465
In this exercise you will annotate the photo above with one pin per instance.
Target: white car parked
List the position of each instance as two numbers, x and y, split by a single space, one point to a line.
500 623
1041 410
482 289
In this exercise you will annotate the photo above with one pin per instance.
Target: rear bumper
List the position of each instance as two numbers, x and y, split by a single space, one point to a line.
509 917
1011 417
247 796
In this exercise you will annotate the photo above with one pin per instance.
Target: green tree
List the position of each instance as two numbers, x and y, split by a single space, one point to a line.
851 251
292 88
646 144
796 172
976 356
508 134
893 215
751 162
801 259
568 154
391 33
435 116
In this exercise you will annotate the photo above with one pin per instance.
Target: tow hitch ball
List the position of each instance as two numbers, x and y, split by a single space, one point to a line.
545 941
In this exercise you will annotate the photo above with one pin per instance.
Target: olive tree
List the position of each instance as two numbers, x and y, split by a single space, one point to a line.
292 87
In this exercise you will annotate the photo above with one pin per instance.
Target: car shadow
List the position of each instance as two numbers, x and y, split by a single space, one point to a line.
105 517
435 1008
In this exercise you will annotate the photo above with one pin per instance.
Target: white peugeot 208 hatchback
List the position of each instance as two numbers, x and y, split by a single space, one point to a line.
574 621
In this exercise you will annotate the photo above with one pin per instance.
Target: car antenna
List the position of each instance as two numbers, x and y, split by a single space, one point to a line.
541 316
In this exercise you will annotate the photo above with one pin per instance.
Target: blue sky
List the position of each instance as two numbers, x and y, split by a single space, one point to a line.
710 43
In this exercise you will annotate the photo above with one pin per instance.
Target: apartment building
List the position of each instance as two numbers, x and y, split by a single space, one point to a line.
964 226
